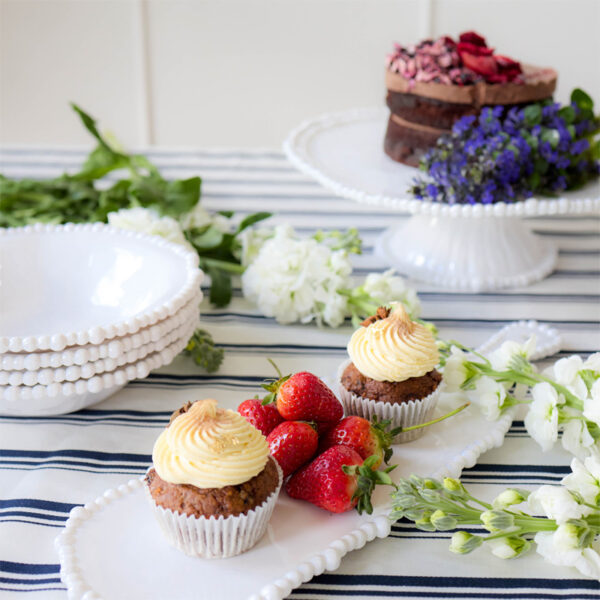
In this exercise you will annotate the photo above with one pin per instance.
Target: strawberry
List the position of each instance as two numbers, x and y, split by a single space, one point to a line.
372 439
338 480
293 443
304 397
366 438
264 417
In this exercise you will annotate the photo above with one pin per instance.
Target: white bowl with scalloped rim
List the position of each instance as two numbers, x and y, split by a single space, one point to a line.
68 285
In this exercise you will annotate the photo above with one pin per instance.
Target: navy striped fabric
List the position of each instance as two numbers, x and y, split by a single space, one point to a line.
49 465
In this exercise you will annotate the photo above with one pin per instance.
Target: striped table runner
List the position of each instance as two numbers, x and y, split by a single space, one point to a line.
49 465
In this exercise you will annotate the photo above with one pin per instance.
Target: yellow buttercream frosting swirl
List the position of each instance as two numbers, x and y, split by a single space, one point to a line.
209 447
394 348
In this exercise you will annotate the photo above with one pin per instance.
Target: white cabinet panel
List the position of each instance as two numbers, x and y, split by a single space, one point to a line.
56 51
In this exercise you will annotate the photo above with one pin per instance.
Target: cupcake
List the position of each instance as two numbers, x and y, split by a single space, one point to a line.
213 485
391 372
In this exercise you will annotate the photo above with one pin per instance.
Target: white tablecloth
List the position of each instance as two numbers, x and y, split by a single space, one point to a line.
48 465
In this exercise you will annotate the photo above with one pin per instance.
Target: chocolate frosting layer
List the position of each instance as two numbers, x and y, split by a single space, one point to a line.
540 83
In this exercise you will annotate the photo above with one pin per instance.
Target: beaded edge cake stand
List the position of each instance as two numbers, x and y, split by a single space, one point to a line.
473 248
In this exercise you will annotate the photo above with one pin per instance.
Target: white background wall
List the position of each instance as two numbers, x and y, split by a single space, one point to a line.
243 72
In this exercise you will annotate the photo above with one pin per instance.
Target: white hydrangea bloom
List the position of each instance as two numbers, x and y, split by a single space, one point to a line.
593 362
455 371
541 420
388 287
577 440
503 357
591 404
556 503
148 221
297 280
585 478
561 547
490 396
199 217
565 371
251 241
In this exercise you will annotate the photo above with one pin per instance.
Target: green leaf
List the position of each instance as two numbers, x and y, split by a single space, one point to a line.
90 124
226 213
220 287
208 239
581 99
552 136
533 114
567 113
180 196
202 349
251 220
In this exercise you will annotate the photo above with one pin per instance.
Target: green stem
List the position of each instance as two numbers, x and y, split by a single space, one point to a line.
223 265
433 421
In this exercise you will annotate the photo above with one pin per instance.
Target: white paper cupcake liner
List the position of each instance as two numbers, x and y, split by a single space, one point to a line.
210 537
405 414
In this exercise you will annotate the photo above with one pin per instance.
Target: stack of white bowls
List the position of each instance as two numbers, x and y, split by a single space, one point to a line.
86 308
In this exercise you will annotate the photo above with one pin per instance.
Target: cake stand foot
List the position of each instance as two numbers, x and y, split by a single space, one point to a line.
474 254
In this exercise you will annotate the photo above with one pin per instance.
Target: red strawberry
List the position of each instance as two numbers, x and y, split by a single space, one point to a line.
372 439
366 438
338 480
264 417
292 443
304 397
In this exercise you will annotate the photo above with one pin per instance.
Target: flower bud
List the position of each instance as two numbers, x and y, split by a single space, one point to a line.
428 495
416 480
497 520
405 487
509 497
424 523
405 501
414 514
464 542
454 486
441 521
431 484
509 547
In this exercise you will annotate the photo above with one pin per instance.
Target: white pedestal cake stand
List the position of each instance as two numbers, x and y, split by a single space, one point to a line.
475 248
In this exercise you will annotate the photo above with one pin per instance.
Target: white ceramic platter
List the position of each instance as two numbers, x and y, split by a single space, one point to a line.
70 284
114 348
60 398
50 375
344 152
112 547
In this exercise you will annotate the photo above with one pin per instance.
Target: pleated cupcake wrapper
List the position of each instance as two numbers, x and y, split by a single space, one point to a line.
405 414
210 537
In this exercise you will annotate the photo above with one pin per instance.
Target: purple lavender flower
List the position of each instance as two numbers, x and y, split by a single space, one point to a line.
509 155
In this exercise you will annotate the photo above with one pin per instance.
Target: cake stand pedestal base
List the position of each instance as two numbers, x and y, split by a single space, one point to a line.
474 254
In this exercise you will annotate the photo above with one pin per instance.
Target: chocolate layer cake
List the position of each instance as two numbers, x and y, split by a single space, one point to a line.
228 500
415 388
432 85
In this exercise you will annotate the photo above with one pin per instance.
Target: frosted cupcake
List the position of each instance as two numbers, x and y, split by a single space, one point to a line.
391 372
213 485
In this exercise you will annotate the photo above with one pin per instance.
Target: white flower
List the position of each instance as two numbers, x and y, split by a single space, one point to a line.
148 221
455 370
387 287
561 547
506 547
297 280
251 240
541 420
556 503
591 404
199 217
593 362
577 440
503 357
585 478
490 396
565 371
